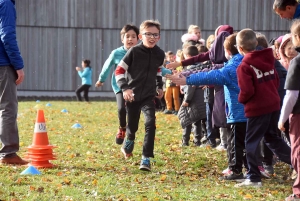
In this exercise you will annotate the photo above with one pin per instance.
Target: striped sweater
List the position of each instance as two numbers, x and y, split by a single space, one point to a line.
143 66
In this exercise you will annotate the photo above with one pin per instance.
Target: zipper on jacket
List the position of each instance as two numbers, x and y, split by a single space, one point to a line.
147 73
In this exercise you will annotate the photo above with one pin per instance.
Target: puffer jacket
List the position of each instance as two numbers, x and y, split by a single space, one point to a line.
196 109
9 51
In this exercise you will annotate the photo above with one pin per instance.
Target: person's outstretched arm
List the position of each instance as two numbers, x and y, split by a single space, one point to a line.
195 59
108 64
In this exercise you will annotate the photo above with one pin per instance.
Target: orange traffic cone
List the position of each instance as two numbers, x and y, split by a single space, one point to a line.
40 152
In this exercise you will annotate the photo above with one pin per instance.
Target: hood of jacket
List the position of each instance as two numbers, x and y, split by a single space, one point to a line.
261 59
283 58
217 52
221 28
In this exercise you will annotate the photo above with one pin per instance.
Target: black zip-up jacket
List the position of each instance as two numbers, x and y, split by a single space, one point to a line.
143 67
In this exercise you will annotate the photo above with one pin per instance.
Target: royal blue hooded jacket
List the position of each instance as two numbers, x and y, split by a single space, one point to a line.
9 51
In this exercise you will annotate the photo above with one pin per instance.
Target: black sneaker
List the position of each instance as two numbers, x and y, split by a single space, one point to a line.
232 177
208 144
197 144
145 164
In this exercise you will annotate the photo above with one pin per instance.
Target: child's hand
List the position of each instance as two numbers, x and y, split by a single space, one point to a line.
99 84
173 65
185 104
177 79
78 68
281 126
128 95
160 93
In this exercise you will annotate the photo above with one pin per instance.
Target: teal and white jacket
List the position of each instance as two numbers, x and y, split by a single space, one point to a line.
112 62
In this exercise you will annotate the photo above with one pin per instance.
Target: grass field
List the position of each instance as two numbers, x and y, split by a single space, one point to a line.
90 166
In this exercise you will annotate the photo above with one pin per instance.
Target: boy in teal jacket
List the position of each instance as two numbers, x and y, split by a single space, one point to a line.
129 37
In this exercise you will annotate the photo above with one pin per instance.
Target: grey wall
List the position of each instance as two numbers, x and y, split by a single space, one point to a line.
55 35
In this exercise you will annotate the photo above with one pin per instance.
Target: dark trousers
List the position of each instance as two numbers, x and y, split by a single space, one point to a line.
121 109
267 154
133 112
85 89
197 133
295 145
257 128
211 132
236 152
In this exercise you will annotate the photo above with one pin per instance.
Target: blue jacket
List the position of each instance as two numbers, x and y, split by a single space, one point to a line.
9 51
225 76
86 76
297 12
111 62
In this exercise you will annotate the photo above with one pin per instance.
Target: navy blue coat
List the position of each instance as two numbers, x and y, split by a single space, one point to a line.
9 51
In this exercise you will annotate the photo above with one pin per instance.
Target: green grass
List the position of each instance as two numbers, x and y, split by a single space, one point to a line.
90 166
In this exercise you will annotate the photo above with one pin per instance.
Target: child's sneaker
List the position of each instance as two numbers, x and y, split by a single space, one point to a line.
269 169
263 172
185 143
120 135
293 197
248 183
227 171
294 174
232 177
145 164
127 148
204 139
168 111
221 147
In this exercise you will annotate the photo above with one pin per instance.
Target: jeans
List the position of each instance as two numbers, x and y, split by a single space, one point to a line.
134 109
9 135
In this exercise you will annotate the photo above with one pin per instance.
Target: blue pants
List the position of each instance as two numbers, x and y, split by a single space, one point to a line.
257 128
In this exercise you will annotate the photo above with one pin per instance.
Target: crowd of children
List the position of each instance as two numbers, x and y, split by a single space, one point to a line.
228 91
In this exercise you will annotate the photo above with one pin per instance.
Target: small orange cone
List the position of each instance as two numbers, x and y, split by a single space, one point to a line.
40 152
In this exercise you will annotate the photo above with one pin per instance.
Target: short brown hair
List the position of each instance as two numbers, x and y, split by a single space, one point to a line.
201 48
246 39
282 4
169 53
262 40
191 50
127 28
150 23
229 44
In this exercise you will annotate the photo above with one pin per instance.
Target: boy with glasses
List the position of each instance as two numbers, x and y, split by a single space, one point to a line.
143 66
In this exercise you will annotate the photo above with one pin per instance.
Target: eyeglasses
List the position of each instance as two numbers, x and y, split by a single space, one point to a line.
150 35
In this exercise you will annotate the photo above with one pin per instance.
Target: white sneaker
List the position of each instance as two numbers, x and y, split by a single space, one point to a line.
221 148
248 183
227 171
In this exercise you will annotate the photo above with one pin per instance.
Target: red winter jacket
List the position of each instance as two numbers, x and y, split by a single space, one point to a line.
258 82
